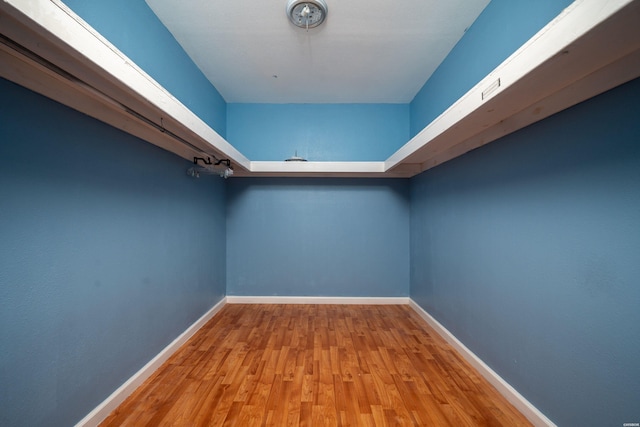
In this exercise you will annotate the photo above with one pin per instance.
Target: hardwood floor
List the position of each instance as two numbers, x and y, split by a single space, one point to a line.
316 365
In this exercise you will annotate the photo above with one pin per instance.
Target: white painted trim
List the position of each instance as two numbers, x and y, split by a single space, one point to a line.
103 410
316 300
325 169
283 166
511 394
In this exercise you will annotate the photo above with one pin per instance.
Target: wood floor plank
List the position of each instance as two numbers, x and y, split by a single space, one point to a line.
316 365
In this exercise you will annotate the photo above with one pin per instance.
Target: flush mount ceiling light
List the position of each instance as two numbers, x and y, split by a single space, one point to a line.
307 14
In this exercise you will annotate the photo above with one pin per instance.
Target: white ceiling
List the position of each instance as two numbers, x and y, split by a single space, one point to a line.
375 51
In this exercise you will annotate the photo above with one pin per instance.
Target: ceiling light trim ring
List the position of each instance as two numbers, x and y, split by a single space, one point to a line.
307 13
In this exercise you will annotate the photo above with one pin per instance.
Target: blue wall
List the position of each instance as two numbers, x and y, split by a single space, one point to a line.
500 30
528 250
320 132
134 29
318 237
109 251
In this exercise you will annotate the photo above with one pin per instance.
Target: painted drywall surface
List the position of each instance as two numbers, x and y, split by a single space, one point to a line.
108 251
318 237
136 31
320 132
500 30
528 250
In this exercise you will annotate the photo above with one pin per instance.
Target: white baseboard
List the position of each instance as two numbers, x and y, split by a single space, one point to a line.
103 410
316 300
536 417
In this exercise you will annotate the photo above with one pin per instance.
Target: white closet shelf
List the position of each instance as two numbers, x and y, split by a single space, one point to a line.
591 47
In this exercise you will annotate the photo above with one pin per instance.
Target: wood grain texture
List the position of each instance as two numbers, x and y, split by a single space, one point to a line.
316 365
